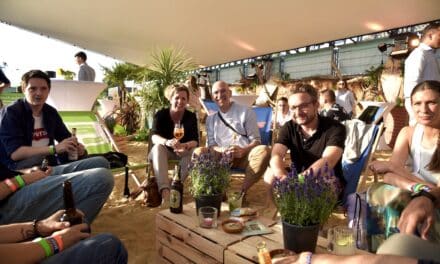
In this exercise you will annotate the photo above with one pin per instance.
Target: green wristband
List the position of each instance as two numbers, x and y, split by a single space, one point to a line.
46 247
20 181
51 149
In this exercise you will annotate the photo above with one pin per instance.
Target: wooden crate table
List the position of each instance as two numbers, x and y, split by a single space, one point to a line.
179 239
245 251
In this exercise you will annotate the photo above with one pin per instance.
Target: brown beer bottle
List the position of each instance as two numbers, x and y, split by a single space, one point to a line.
70 215
73 155
176 192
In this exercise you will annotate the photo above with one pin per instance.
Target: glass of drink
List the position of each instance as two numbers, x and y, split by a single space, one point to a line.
178 131
342 240
235 199
208 217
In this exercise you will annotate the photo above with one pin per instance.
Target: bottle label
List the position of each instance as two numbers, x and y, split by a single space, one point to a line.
73 155
175 199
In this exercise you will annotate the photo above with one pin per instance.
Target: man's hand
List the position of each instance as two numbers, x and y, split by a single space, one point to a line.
72 235
36 175
419 211
51 224
67 145
236 151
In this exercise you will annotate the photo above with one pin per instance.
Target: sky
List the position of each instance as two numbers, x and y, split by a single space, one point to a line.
23 50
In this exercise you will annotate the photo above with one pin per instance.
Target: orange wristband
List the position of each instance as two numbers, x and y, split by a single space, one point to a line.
11 185
59 241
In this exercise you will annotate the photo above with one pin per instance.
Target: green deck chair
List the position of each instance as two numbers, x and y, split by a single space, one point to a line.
97 139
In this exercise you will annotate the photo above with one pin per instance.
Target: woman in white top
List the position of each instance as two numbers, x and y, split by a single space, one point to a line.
420 144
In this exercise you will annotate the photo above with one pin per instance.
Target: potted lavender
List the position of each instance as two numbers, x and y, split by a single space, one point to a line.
305 202
209 172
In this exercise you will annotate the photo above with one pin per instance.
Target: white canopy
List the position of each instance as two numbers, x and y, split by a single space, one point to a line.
212 32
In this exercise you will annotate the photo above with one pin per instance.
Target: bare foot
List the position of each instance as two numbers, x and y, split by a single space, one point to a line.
165 193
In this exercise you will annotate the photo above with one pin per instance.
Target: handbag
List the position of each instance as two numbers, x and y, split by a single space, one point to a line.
150 189
116 159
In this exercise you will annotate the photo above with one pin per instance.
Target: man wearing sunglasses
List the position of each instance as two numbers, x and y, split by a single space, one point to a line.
314 141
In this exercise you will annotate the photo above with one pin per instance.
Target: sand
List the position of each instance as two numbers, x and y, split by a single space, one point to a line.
134 223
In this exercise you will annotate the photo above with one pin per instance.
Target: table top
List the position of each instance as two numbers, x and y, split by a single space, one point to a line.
189 220
238 244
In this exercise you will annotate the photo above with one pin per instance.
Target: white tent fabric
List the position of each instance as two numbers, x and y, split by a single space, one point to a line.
212 32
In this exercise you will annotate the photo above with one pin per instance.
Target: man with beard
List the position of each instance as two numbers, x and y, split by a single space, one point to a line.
313 140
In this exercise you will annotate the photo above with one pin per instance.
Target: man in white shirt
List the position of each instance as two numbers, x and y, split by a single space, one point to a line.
85 73
422 64
345 98
241 138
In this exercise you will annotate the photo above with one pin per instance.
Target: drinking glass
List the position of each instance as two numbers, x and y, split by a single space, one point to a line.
178 131
235 199
208 217
342 240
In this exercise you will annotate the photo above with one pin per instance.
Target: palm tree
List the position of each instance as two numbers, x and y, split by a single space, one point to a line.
118 74
167 66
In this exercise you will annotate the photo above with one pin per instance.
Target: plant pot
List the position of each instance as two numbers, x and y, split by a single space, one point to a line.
209 200
300 238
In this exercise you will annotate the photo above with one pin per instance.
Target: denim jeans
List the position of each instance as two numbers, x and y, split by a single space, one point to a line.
102 248
92 183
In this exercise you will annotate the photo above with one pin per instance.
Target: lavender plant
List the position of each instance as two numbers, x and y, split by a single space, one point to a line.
209 173
306 200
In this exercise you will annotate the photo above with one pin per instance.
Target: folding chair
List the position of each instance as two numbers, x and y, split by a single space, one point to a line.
352 170
8 98
97 139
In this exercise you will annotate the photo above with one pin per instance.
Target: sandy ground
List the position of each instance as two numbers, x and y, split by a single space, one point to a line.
134 224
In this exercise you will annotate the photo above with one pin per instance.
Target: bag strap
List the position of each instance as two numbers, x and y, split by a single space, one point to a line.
229 125
358 203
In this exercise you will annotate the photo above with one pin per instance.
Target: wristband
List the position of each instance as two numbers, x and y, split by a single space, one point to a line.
46 247
54 244
309 257
10 184
51 149
59 241
35 228
417 187
428 195
20 181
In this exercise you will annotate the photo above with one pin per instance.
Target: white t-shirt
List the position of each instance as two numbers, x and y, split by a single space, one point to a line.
39 135
421 65
345 99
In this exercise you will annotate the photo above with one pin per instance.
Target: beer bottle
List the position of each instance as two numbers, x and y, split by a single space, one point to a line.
44 165
70 215
73 155
176 192
263 253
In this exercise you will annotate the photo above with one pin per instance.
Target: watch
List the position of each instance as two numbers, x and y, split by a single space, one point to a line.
428 195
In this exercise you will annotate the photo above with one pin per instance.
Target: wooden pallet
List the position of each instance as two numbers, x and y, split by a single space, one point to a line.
179 239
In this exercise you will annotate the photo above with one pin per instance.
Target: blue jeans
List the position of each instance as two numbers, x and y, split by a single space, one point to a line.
92 183
102 248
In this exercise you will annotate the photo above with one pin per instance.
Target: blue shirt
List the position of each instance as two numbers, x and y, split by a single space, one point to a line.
17 126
